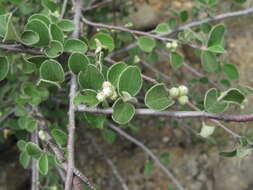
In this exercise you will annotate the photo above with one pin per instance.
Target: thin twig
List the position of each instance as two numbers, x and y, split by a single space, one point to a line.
175 114
57 151
109 162
18 48
35 171
190 25
141 33
64 6
98 5
71 111
150 153
5 116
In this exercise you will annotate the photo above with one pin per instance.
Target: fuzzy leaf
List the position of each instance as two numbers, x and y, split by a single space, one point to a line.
114 72
78 62
33 150
43 164
176 60
66 25
105 39
4 67
54 50
209 61
130 80
30 38
146 44
232 95
122 112
86 97
231 71
59 136
75 45
24 159
157 98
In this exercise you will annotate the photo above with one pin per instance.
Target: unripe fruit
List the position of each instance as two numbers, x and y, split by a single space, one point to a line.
114 96
106 84
42 135
183 90
174 92
168 45
183 100
100 96
174 45
108 91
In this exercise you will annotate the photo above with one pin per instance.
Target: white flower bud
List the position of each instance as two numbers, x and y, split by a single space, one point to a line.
108 91
174 92
114 96
183 90
183 100
106 84
42 135
174 45
100 96
169 45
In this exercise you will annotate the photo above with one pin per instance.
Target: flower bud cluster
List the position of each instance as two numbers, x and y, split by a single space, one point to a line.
172 46
108 91
180 94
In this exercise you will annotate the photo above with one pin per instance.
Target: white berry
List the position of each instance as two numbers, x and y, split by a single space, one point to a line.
100 96
183 100
174 92
183 90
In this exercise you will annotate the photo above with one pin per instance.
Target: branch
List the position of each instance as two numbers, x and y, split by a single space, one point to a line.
110 163
190 25
71 111
57 151
141 33
150 153
35 171
175 114
63 10
212 19
18 48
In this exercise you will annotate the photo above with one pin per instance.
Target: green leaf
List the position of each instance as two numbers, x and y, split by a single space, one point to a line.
109 135
176 60
157 98
78 62
30 38
7 30
91 78
75 45
51 70
206 130
240 1
209 61
123 112
41 29
205 27
66 25
231 71
149 167
216 49
86 97
4 67
21 145
130 80
48 4
37 60
163 28
105 39
56 33
184 15
216 36
211 103
232 95
54 50
40 17
24 159
114 72
95 121
33 150
59 136
43 164
246 90
228 154
146 44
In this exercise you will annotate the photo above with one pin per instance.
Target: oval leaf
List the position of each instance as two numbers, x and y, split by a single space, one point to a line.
231 71
56 33
209 61
66 25
43 164
78 62
176 60
130 80
75 45
157 98
59 136
33 150
123 112
114 72
30 38
146 44
4 67
91 78
51 70
86 97
24 159
54 50
105 39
